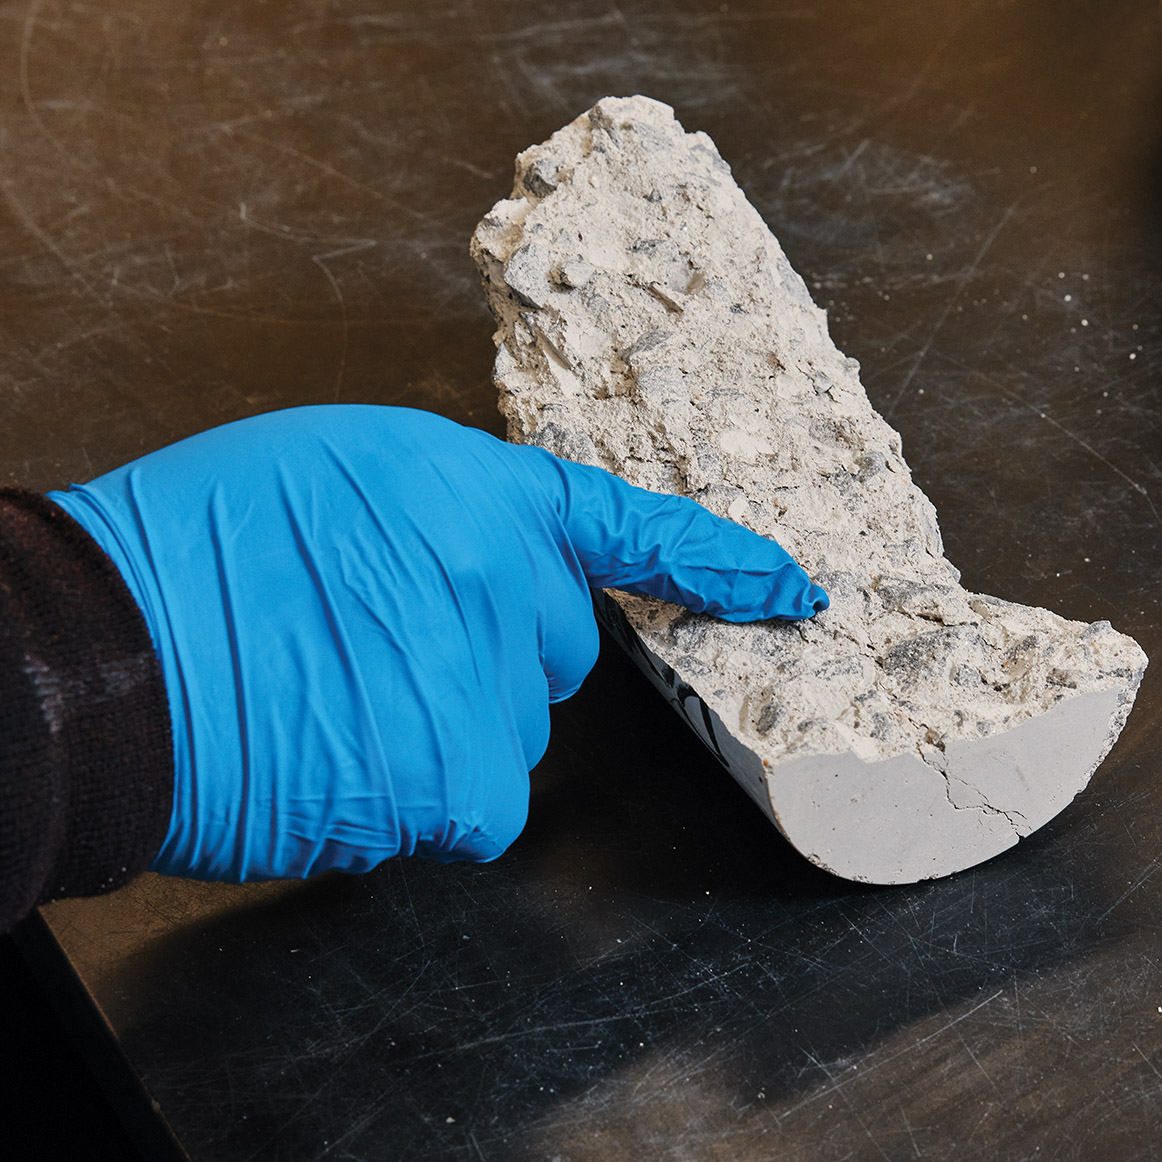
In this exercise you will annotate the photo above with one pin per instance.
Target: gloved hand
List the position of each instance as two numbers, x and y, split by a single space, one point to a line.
363 613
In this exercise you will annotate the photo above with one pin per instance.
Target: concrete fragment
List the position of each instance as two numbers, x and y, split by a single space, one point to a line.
650 323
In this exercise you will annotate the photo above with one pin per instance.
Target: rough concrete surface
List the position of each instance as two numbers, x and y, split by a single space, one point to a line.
650 323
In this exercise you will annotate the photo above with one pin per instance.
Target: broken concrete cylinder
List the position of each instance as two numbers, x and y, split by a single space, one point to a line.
650 323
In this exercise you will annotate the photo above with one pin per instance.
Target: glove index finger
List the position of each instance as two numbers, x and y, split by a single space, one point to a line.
671 547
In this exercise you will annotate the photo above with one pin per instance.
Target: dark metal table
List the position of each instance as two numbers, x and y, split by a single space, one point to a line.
211 210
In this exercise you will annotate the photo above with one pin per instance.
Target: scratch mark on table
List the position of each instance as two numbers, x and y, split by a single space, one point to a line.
902 98
320 260
323 166
27 221
852 157
838 1085
908 1127
962 284
1128 892
419 928
976 1062
1082 443
25 81
1146 1060
1139 488
838 1088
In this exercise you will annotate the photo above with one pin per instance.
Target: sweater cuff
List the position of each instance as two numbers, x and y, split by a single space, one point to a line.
86 756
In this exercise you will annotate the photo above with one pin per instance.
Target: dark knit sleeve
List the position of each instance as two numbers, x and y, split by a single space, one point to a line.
86 758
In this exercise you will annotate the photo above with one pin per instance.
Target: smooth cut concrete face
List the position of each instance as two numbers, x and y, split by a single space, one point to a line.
650 323
903 820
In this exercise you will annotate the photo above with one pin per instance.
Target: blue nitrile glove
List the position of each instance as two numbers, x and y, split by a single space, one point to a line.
363 613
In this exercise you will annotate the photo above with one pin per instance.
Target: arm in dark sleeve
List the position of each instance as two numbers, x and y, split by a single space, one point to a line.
86 758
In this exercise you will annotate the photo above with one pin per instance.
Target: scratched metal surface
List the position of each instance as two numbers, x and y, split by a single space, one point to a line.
209 210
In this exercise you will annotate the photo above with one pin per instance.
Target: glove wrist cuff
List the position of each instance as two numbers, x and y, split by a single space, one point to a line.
86 755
